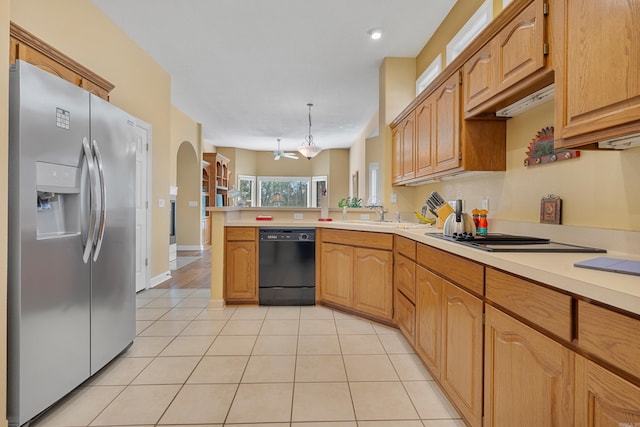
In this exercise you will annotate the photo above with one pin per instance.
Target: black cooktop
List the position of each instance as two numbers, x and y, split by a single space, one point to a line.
493 238
496 242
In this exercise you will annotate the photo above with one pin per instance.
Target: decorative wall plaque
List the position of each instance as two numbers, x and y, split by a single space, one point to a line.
541 150
551 210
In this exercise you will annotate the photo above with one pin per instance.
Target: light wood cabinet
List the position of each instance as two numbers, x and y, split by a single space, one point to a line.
404 276
446 104
241 261
220 178
424 138
603 399
429 319
403 147
205 226
404 272
528 378
461 374
597 66
336 274
373 282
479 77
404 316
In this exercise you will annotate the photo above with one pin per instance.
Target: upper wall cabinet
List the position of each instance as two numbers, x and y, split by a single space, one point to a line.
597 60
403 149
512 63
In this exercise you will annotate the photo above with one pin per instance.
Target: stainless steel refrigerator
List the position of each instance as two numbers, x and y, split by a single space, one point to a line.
71 290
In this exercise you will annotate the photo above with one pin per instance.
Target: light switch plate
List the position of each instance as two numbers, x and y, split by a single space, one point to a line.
161 203
298 216
364 216
193 204
394 197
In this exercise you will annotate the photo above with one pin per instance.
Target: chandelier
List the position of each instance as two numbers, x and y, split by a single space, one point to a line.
309 150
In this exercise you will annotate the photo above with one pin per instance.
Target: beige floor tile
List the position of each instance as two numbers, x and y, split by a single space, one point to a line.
250 313
354 327
394 423
224 314
279 327
188 346
270 369
385 330
242 327
395 344
273 345
204 327
409 367
150 313
318 344
120 371
444 423
142 404
79 407
376 367
219 370
317 312
181 314
381 401
232 345
141 302
320 368
361 344
327 424
429 400
200 403
164 328
322 402
152 293
341 315
259 425
262 403
193 302
141 325
164 302
317 327
283 313
167 370
147 346
180 292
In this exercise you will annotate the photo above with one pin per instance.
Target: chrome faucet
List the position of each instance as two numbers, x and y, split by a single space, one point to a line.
380 210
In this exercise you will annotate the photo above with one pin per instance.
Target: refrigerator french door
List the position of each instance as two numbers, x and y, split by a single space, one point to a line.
71 283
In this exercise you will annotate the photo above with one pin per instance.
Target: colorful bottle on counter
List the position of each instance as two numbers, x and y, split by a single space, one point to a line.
482 223
476 217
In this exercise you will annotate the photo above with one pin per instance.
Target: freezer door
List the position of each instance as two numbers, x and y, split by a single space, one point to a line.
48 284
113 270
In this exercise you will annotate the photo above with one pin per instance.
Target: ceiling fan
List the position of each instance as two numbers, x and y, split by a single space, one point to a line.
279 153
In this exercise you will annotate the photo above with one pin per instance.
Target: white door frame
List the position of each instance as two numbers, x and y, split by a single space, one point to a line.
144 129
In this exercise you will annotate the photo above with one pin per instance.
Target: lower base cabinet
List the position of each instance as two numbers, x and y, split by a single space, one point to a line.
405 316
373 282
429 318
603 399
528 377
240 265
336 274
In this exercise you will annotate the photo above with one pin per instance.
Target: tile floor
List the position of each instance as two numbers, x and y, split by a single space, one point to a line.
256 366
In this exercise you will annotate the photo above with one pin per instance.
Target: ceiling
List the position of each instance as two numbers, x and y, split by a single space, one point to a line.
246 69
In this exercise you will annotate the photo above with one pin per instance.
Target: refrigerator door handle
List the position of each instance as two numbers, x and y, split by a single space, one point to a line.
103 199
91 234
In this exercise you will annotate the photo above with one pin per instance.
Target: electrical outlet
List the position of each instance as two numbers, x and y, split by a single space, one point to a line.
485 204
298 216
364 216
193 204
161 203
394 197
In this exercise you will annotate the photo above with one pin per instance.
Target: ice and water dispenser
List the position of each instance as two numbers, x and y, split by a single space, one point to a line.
58 200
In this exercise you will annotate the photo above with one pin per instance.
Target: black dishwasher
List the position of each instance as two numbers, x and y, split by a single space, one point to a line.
287 268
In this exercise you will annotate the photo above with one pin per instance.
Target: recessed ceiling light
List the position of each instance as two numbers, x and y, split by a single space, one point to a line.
375 33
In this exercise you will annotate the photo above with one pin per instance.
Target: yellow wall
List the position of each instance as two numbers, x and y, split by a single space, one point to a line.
358 158
4 143
142 88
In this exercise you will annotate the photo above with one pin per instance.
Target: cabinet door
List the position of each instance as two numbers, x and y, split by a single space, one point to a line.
461 373
528 377
373 282
597 61
424 138
446 104
206 230
429 319
408 130
240 272
603 399
479 81
396 165
404 315
520 46
405 277
336 274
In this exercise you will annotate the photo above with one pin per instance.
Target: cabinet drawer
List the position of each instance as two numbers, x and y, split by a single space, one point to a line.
405 317
405 276
406 247
611 336
463 272
359 238
546 308
244 234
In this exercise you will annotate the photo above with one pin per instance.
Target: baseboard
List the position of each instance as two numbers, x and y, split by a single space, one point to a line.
190 248
216 304
161 278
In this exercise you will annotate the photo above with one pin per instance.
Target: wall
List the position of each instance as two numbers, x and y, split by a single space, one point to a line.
599 189
142 88
358 157
4 145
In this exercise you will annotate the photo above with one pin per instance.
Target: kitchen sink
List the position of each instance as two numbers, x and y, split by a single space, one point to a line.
387 224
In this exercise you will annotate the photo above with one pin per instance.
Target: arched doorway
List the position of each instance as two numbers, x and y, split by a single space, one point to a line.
188 203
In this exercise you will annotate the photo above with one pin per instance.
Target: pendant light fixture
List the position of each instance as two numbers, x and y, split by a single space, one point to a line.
309 150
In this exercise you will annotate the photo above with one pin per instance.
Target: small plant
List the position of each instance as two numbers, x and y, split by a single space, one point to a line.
350 202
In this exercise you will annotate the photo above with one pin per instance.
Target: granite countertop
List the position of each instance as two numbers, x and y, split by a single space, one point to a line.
554 269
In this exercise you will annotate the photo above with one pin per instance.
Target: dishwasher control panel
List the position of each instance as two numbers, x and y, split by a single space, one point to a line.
288 234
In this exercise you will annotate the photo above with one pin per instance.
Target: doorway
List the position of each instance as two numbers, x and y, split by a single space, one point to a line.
143 183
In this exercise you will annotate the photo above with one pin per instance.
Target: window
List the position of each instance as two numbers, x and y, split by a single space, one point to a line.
247 188
470 30
375 198
429 74
282 191
319 184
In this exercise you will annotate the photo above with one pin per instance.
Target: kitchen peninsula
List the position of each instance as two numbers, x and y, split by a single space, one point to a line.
482 322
